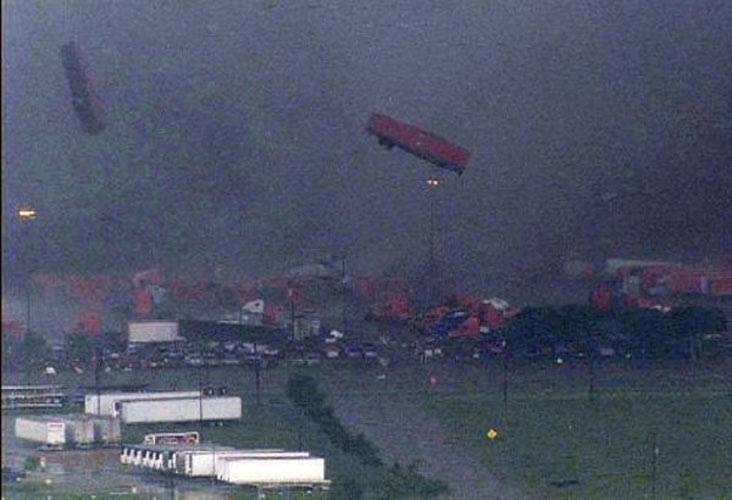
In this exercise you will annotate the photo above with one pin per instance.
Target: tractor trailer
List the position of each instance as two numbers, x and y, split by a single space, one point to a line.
191 409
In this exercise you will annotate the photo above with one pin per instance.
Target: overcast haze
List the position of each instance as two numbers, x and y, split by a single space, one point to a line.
235 133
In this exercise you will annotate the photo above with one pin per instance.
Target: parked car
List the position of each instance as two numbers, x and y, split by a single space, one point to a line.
269 351
312 359
331 352
369 351
354 352
194 361
231 360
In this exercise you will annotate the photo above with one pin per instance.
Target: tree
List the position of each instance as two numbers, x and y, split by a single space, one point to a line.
690 324
81 347
32 351
534 329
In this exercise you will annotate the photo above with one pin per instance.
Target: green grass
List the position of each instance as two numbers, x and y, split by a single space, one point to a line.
606 443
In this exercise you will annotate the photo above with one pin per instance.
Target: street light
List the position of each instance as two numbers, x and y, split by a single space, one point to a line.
26 214
433 182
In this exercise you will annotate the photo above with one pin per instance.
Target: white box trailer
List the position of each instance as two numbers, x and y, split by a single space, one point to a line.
46 431
306 470
181 410
107 431
104 404
153 331
199 463
79 431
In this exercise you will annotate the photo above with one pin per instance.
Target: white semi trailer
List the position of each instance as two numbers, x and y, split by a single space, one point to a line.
189 409
79 431
46 431
204 463
107 431
153 331
104 404
273 470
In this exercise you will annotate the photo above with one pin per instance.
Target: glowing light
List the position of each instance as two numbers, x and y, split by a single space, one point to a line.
26 213
433 181
492 434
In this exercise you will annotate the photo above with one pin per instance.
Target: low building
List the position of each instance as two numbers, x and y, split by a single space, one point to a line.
153 331
306 324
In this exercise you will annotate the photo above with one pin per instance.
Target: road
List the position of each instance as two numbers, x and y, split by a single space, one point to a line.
406 432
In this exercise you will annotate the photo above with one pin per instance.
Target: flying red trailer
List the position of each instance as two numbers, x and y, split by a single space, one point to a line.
418 142
88 106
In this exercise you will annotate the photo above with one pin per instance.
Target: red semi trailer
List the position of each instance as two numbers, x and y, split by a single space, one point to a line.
418 142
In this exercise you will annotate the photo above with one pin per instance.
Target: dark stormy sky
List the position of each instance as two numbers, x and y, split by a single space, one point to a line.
236 134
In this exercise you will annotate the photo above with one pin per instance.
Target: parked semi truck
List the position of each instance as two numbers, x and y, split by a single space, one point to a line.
104 404
190 409
272 470
68 431
107 431
79 432
46 431
201 463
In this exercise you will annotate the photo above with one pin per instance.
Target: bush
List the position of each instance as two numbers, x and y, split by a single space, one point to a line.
399 482
304 392
33 351
406 482
32 463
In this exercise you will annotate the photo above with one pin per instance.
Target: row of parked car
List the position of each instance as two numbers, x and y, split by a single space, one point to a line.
330 347
206 354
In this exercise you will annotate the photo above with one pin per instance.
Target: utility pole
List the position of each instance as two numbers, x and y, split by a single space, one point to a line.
344 314
505 377
654 457
292 316
97 366
591 360
200 399
256 371
28 304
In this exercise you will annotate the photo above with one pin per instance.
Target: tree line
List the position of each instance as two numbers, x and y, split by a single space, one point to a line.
640 333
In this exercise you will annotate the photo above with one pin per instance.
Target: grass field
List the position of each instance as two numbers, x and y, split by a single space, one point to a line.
557 441
563 444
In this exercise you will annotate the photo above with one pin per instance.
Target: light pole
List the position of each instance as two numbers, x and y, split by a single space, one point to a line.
344 293
434 183
25 215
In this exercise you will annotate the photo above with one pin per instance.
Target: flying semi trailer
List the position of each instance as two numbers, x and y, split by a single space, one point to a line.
88 106
426 145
